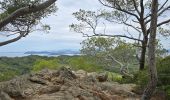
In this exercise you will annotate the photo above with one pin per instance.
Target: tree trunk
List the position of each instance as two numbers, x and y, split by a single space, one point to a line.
151 54
143 53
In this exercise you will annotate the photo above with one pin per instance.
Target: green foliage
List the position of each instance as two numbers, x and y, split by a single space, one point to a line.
114 77
87 64
164 65
141 78
42 64
25 23
97 45
11 67
88 21
4 76
105 49
166 88
164 74
163 68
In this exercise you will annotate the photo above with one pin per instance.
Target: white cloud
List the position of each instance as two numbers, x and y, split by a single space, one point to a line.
60 36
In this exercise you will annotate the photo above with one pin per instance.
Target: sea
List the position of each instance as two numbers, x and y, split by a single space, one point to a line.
20 54
23 54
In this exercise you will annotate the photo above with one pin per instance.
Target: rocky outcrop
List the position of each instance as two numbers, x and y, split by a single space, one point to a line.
102 77
64 84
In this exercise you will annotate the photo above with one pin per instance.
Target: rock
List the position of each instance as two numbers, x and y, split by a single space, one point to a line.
80 97
15 87
90 80
38 80
119 89
66 73
57 80
81 74
102 77
63 84
94 74
4 96
50 89
28 92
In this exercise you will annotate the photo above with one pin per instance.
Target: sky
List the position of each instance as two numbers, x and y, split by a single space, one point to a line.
60 37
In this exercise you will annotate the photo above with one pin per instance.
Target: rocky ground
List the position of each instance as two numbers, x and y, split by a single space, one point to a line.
64 84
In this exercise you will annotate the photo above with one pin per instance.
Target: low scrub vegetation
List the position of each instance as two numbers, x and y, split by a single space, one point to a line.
12 67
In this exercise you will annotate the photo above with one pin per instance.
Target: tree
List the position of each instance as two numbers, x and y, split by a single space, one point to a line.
19 17
135 14
151 53
110 53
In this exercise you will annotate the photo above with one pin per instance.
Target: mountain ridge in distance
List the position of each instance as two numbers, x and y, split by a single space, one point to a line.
57 52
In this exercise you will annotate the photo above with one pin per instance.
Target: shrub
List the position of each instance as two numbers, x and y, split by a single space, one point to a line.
164 75
42 64
114 77
164 71
4 76
141 78
85 64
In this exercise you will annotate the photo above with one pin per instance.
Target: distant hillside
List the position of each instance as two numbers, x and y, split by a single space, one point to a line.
59 52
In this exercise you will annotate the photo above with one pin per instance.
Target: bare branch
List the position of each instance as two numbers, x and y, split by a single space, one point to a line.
135 5
120 9
121 64
163 10
123 69
130 25
163 5
164 22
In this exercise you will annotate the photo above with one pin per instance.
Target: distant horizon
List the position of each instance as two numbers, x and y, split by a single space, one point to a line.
60 37
38 51
46 50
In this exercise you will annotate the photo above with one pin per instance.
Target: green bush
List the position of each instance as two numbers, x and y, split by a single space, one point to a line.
4 76
163 67
114 77
85 64
42 64
141 78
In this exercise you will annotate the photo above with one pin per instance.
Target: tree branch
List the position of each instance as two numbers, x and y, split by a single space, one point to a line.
164 22
120 9
142 8
130 25
124 36
135 5
163 5
11 40
24 11
163 10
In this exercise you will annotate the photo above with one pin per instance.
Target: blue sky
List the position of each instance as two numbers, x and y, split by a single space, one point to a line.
60 36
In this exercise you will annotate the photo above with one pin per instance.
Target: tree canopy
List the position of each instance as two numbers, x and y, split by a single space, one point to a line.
134 14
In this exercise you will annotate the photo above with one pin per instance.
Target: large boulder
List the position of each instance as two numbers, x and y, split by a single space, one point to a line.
64 84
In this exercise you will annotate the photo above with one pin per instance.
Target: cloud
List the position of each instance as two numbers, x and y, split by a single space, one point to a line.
60 36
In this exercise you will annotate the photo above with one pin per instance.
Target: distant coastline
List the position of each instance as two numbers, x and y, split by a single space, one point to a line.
40 53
